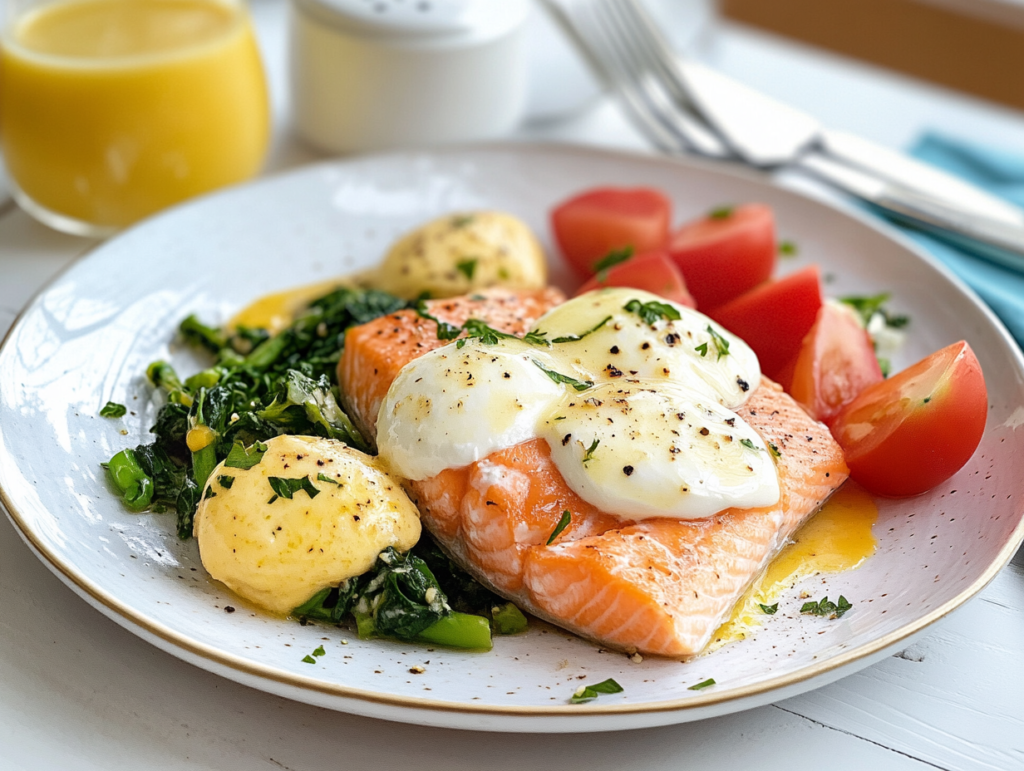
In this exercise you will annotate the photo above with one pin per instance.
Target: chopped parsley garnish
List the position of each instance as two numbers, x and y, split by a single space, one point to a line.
558 377
721 213
226 481
461 220
788 249
589 454
868 307
774 449
324 478
319 651
720 343
308 659
825 607
701 686
587 693
240 457
749 445
574 338
285 487
771 610
614 257
467 267
486 334
445 331
562 524
651 311
113 410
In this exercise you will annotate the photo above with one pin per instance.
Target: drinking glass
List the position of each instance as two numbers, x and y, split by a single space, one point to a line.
111 110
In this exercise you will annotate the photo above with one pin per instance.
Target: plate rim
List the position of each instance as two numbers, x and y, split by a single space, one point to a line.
183 647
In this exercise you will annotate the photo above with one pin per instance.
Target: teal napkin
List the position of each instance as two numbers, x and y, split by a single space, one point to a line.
1002 173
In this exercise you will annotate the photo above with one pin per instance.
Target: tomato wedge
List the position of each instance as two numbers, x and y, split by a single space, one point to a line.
774 318
726 253
590 225
836 362
653 272
909 433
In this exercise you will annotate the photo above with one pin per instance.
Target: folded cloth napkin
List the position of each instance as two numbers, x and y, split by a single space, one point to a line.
1000 173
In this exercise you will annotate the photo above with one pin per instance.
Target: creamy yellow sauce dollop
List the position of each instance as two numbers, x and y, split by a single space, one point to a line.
278 552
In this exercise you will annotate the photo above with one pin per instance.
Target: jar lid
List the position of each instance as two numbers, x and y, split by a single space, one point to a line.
419 19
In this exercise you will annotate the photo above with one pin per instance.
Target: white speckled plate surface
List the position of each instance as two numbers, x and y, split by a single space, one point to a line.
88 337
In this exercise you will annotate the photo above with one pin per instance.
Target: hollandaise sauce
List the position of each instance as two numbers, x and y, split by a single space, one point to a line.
838 538
114 109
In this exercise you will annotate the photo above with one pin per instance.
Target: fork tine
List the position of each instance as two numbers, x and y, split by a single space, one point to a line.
643 92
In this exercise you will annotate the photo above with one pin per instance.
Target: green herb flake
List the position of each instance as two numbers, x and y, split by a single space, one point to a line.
614 257
225 481
701 686
788 249
558 377
243 458
587 693
324 478
209 493
461 220
309 659
774 449
589 454
721 213
272 499
750 445
445 331
927 399
867 307
319 651
884 365
827 608
575 338
562 524
113 410
286 487
467 267
771 610
651 312
718 341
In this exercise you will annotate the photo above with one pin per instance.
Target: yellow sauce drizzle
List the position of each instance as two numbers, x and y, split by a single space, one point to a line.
274 312
836 539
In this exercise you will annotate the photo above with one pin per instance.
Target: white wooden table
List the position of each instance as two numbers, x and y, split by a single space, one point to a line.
78 692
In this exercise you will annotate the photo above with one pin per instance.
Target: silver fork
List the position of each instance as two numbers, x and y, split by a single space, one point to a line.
681 106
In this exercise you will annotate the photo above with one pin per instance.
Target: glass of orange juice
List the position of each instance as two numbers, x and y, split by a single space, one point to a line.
111 110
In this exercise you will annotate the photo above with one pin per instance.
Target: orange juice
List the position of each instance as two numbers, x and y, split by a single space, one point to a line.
114 109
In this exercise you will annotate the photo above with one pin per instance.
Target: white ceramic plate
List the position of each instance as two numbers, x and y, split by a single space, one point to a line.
88 337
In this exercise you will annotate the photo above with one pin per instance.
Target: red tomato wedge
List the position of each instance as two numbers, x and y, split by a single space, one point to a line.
722 257
909 433
605 219
836 362
653 272
774 318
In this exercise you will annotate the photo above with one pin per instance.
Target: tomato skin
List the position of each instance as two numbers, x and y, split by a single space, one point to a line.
590 225
774 318
653 272
909 433
836 362
723 257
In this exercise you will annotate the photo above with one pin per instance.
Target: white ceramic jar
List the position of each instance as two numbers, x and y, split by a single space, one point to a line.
377 74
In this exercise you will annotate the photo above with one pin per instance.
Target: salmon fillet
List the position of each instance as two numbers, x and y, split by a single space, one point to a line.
658 586
375 352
